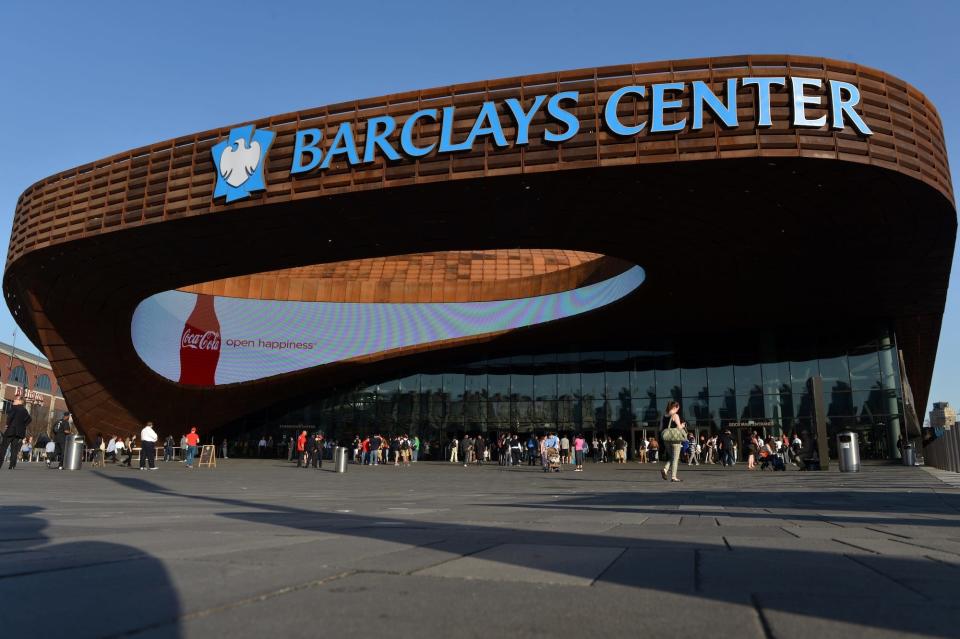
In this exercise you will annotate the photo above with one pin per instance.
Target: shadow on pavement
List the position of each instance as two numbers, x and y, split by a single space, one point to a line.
863 587
81 588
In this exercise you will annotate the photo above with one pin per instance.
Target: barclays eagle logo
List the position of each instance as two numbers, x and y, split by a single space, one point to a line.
239 162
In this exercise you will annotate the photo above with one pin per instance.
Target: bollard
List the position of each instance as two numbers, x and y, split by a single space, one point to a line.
340 459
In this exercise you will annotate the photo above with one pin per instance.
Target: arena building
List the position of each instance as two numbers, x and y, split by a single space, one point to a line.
766 239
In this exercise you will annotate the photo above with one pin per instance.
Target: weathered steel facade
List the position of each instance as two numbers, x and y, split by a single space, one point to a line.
773 229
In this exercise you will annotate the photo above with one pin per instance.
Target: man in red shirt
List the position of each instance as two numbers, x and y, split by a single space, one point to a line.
302 450
193 440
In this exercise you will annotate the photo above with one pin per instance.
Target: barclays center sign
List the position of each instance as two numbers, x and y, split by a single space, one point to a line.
240 158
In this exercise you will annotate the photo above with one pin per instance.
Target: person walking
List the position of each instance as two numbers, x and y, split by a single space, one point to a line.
673 436
694 456
193 440
148 447
454 449
223 449
17 421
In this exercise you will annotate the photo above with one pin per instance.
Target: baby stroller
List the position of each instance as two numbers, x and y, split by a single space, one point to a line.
553 460
51 452
774 460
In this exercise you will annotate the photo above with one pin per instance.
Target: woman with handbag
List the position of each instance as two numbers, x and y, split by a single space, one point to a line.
673 436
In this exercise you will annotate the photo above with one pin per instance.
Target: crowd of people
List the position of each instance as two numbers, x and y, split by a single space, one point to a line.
403 450
119 450
674 445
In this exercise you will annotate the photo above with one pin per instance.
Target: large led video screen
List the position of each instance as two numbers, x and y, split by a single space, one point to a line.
204 340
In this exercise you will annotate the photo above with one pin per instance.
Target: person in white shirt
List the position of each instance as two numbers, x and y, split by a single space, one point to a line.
148 444
118 448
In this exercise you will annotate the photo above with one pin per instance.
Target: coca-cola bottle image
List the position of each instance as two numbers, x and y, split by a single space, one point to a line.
200 344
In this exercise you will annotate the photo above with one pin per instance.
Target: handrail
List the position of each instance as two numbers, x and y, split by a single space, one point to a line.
944 451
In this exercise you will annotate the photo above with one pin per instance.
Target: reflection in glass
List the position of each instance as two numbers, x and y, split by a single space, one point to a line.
521 387
668 383
776 378
801 373
840 404
694 381
592 385
646 410
474 387
748 379
498 386
618 384
545 386
720 379
596 392
865 371
835 370
751 406
568 385
453 385
643 384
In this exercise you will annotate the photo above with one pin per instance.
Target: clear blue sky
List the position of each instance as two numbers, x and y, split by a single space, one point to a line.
83 80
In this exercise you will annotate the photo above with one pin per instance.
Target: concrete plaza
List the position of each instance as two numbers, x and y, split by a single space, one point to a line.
258 548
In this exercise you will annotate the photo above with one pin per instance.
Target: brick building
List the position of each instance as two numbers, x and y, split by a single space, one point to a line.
28 375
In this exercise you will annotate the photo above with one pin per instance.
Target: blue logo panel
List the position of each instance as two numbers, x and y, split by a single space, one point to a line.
239 161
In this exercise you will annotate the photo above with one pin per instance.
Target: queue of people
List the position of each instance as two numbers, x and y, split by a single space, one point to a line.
119 450
506 449
377 449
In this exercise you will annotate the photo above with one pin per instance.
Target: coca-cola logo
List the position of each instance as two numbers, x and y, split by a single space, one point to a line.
206 341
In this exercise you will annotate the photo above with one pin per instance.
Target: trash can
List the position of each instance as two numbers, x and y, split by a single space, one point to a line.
73 450
340 459
848 452
909 455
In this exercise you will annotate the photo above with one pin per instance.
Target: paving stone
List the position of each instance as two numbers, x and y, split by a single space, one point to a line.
539 564
255 548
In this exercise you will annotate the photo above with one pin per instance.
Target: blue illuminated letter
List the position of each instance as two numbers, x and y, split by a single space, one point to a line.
342 144
560 114
841 106
306 142
763 96
660 105
524 118
446 133
377 138
488 114
610 111
800 101
702 95
406 134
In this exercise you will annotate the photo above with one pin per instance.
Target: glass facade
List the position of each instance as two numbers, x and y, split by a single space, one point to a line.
618 392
